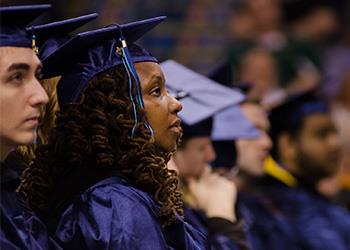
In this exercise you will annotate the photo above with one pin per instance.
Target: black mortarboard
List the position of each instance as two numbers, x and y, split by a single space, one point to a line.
230 124
289 114
223 74
298 9
50 36
14 20
89 53
226 154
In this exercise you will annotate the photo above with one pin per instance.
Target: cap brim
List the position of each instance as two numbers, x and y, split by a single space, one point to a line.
204 96
231 124
82 41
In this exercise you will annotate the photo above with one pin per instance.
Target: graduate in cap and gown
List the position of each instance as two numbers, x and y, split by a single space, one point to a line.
21 98
19 220
210 112
102 181
242 160
47 38
306 144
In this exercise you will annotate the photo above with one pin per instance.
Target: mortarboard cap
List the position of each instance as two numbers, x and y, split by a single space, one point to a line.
223 74
297 9
226 154
89 53
201 97
50 36
14 20
199 129
296 107
231 124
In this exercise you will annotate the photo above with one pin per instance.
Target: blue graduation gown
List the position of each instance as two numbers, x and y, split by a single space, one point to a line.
20 228
215 241
111 214
317 222
267 227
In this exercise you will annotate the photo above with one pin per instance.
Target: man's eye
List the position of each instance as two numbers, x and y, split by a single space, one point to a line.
16 77
323 133
39 75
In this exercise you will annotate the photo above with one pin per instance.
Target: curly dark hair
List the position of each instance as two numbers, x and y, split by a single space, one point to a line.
48 114
97 132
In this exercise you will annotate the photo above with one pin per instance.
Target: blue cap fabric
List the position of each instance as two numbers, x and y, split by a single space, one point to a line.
50 36
14 20
89 53
201 97
231 124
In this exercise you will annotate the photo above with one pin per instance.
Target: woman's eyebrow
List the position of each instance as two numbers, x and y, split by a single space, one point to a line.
156 78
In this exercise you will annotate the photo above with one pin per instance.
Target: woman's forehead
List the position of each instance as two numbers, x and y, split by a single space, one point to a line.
149 70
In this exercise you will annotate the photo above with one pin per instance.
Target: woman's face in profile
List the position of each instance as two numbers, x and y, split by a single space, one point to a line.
161 108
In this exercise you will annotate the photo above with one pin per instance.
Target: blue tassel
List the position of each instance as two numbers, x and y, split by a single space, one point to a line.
131 71
36 136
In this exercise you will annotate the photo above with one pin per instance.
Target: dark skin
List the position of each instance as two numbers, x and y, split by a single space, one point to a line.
315 152
161 108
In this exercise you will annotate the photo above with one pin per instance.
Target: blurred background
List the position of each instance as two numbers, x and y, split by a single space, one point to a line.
278 46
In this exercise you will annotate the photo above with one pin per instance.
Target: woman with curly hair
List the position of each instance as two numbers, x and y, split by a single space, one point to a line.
101 182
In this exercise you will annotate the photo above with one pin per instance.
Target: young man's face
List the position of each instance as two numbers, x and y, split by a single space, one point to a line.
318 146
193 158
251 153
21 96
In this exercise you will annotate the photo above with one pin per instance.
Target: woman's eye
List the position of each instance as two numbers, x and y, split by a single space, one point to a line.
156 91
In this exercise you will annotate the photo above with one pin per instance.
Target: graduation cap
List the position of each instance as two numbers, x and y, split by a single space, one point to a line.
223 74
89 53
231 124
49 36
200 96
226 154
289 114
298 9
14 20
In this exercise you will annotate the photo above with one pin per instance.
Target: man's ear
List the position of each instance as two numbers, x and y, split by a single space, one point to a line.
287 148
